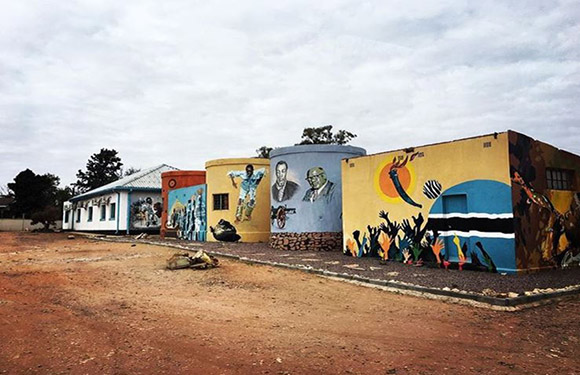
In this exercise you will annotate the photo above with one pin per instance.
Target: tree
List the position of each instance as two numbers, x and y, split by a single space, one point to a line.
130 171
47 216
264 152
63 195
32 192
323 136
102 168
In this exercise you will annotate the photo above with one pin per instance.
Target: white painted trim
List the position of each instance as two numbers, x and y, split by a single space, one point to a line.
476 233
478 215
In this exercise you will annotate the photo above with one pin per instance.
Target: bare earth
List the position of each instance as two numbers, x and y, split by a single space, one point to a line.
85 307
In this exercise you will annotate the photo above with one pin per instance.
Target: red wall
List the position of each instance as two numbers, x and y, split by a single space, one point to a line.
175 180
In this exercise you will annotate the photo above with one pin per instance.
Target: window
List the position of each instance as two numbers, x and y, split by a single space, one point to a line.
66 216
113 211
559 179
90 218
78 215
220 202
103 212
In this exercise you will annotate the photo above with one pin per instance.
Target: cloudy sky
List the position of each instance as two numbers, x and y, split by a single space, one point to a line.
183 81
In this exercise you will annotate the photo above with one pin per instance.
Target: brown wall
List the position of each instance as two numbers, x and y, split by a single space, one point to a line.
546 221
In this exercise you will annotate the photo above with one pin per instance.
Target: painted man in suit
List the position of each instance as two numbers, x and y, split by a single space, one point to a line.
282 190
320 187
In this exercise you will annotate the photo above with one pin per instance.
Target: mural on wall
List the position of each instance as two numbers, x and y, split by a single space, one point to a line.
283 189
316 205
560 235
250 180
187 212
546 220
411 242
448 235
395 180
225 231
432 189
321 189
146 213
279 215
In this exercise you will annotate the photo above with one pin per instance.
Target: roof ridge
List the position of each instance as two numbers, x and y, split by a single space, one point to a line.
125 182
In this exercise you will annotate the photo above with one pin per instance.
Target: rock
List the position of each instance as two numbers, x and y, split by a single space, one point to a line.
70 237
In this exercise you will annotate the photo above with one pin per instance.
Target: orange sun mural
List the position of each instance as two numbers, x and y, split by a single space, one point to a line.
386 187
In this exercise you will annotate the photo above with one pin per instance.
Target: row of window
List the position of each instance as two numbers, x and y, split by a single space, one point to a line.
103 211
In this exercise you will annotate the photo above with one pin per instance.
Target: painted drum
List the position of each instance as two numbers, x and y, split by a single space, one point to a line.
306 195
238 200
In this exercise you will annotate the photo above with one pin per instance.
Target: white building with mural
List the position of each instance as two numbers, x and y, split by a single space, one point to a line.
132 203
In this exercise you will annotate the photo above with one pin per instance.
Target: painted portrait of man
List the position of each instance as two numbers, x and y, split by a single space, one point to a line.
320 187
283 189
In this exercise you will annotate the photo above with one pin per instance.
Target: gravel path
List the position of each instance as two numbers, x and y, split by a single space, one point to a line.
492 284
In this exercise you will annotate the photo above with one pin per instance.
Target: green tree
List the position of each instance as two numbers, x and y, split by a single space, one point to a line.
102 168
47 216
63 195
323 135
32 192
131 170
264 152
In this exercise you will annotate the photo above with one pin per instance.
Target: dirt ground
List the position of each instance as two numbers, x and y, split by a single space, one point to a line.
85 307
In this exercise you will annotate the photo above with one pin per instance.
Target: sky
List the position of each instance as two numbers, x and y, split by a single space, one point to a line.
181 82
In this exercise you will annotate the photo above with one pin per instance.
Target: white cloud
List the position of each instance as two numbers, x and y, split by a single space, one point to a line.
182 82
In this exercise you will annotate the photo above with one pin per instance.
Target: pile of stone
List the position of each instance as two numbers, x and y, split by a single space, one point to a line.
311 241
200 260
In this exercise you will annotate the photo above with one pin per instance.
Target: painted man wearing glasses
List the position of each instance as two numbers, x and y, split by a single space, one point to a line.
320 187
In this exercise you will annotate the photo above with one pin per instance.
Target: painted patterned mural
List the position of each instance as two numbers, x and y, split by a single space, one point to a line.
432 207
498 203
546 203
187 213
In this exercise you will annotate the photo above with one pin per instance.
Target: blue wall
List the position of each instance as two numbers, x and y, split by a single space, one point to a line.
486 219
308 209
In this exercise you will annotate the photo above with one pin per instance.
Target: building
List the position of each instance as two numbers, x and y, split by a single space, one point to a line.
502 202
306 196
132 203
238 194
5 202
184 205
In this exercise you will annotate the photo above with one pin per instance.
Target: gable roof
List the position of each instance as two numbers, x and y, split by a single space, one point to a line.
148 179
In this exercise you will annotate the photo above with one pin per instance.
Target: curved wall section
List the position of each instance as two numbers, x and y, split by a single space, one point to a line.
238 202
174 180
306 195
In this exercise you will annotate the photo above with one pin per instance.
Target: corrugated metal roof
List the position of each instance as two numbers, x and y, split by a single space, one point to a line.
146 179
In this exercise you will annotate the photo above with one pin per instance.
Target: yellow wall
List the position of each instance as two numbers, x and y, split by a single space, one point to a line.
449 163
257 229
